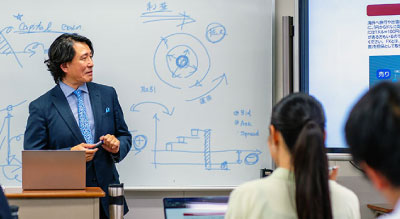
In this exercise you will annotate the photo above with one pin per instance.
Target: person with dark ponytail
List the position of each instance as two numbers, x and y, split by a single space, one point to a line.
300 186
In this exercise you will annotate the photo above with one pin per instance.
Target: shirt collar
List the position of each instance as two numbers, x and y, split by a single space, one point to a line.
67 90
283 173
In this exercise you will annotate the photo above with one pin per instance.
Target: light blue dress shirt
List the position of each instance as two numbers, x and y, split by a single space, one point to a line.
73 103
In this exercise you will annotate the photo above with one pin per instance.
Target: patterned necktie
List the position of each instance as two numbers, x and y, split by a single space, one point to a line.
83 118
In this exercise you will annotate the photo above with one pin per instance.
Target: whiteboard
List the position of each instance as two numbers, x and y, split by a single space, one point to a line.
194 79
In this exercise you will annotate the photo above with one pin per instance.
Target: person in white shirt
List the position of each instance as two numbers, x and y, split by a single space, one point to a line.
300 186
373 135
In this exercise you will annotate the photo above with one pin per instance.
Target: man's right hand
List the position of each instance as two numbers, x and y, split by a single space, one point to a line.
88 148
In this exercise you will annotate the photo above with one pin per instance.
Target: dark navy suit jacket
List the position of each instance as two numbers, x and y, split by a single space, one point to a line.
52 126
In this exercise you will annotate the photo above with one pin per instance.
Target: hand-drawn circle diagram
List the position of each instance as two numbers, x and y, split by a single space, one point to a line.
215 32
181 60
139 142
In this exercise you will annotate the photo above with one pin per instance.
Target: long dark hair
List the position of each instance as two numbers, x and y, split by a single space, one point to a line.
300 119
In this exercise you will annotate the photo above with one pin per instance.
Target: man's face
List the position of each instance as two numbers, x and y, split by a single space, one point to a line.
80 69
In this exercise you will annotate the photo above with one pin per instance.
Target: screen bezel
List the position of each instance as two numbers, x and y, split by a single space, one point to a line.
304 61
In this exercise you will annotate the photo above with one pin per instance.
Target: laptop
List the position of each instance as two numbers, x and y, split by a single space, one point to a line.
209 207
50 169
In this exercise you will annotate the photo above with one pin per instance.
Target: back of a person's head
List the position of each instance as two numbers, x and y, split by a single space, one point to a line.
373 130
300 119
293 112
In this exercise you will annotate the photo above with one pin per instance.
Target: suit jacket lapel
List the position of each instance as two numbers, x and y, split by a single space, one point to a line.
62 106
95 101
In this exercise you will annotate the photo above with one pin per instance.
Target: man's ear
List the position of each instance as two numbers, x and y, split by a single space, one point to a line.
64 67
380 181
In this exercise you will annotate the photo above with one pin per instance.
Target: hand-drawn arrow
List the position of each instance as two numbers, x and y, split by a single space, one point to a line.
219 80
155 139
166 110
185 19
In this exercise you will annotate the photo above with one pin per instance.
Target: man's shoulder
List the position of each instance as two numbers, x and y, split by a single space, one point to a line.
100 87
46 96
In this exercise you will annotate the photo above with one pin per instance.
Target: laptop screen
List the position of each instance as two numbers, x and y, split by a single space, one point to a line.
213 207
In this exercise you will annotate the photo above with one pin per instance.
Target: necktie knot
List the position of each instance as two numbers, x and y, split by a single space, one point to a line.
78 93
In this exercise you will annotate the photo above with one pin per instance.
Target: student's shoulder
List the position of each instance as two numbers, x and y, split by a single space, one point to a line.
251 185
342 192
258 186
345 202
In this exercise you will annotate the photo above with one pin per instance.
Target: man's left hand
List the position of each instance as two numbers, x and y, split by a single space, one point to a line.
110 143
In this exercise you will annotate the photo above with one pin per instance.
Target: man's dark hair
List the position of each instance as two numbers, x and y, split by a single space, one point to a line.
373 130
62 51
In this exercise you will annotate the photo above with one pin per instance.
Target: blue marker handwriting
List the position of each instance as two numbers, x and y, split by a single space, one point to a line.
42 27
23 28
242 112
243 123
250 134
156 13
215 32
148 89
243 120
205 99
153 7
218 81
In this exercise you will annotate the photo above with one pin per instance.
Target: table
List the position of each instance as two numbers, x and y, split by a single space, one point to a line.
56 203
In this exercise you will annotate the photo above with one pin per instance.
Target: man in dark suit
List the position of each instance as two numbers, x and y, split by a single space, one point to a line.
77 113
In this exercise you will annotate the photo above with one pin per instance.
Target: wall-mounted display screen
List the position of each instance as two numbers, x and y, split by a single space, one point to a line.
347 46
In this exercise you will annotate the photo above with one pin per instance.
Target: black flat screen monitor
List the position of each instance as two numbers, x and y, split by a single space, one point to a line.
346 46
